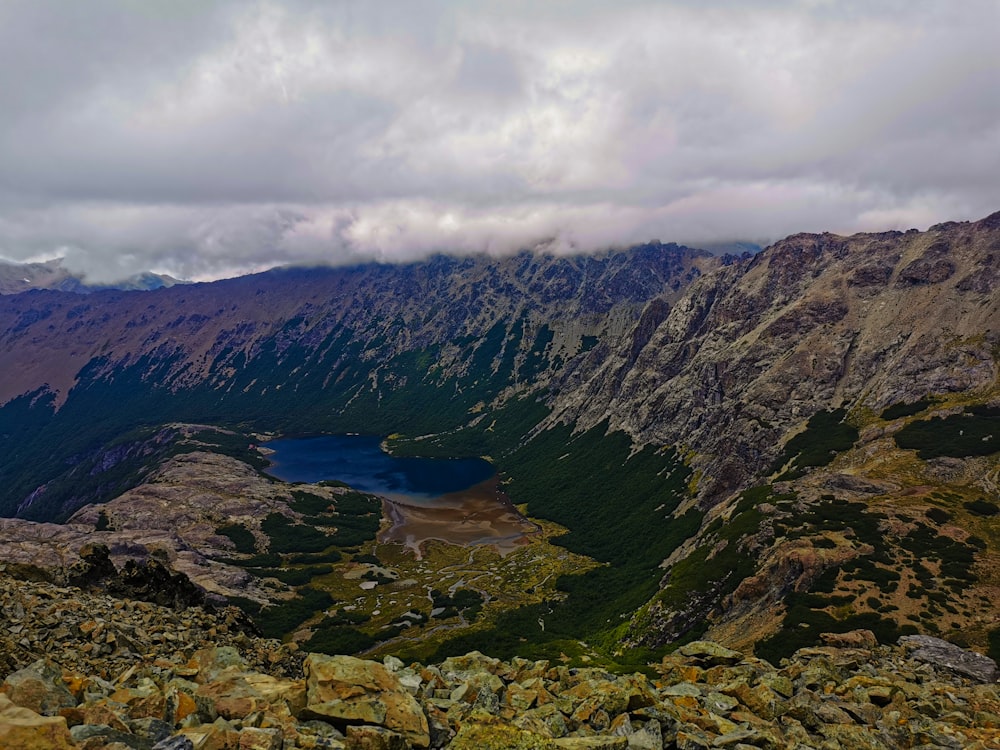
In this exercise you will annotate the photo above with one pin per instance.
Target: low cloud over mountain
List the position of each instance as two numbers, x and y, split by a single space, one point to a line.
202 141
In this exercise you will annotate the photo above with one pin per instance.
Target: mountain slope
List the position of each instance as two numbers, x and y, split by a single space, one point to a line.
371 348
756 435
817 321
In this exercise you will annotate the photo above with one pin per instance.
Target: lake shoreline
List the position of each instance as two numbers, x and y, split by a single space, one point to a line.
480 515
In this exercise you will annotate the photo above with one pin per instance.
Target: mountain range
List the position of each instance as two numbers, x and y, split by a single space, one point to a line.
756 449
52 274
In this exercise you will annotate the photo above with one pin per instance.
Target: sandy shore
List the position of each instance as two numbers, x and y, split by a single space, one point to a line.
482 514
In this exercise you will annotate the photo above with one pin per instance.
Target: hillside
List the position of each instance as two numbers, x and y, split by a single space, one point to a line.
756 450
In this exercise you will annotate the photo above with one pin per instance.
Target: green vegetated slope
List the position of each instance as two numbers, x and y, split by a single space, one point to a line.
973 432
825 435
788 561
915 578
302 550
476 395
327 390
618 507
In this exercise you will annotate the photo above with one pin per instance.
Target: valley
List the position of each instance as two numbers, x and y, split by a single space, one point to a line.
499 376
757 450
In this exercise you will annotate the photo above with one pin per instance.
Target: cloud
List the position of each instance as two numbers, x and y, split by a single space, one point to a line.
204 139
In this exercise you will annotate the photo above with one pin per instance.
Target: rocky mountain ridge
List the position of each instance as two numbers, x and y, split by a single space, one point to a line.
207 331
816 321
22 277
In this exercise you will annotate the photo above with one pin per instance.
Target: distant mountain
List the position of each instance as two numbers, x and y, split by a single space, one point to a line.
759 448
734 247
20 277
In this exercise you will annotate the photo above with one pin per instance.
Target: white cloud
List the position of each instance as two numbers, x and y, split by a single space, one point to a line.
206 139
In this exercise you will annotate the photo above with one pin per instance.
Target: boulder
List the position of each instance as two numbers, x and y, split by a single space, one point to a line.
851 639
237 694
945 655
344 690
25 729
374 738
710 653
252 738
649 737
39 687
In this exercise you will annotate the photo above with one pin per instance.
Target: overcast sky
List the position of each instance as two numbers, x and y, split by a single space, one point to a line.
205 139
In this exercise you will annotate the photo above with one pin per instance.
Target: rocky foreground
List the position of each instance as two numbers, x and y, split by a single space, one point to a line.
90 671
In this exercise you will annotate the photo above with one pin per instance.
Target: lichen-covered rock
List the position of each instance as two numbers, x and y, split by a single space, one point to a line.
940 653
499 737
345 690
177 742
235 695
710 653
38 687
602 742
25 729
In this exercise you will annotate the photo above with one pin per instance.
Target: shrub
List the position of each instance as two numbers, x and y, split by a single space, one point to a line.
308 504
339 641
975 433
293 576
287 536
280 619
938 515
103 524
904 410
240 536
982 507
825 435
993 639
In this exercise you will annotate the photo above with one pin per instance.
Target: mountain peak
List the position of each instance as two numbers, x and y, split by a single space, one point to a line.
52 274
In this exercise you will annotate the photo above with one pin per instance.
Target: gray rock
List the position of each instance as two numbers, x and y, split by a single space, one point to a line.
710 653
152 729
650 737
174 743
39 687
109 736
944 655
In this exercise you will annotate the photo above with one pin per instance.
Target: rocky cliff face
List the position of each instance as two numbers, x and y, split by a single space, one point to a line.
209 331
815 322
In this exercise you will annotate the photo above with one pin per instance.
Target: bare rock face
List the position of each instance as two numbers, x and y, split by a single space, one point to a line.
439 300
158 531
149 581
813 322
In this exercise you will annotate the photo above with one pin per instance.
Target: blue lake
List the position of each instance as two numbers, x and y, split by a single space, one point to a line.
358 460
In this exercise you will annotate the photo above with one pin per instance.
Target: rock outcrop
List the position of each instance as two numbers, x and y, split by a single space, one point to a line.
161 528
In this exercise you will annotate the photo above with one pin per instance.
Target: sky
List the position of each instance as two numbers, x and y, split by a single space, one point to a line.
208 139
